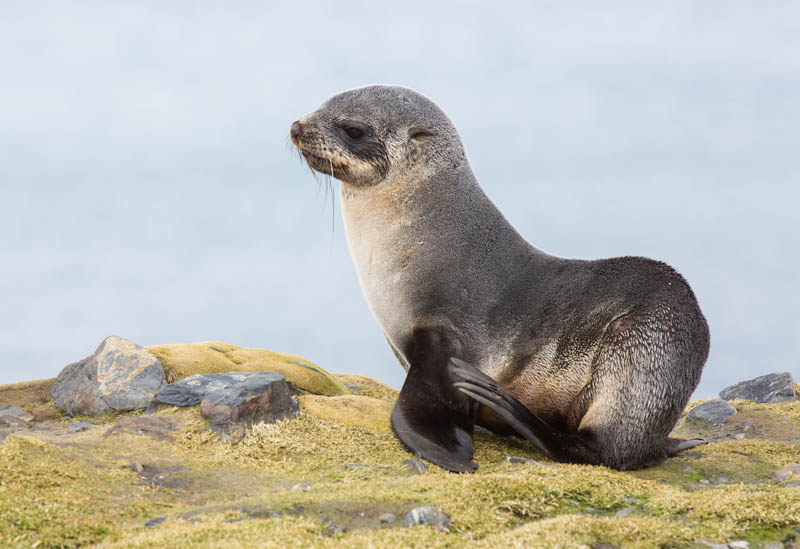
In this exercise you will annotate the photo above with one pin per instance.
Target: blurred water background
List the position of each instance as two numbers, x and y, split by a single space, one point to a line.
147 188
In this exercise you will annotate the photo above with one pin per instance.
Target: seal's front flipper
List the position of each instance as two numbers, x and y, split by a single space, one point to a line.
675 445
433 418
554 444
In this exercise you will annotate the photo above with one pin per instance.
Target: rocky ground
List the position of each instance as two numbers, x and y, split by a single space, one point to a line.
329 472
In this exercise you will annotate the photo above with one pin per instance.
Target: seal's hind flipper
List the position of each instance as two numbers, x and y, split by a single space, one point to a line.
431 417
554 444
675 445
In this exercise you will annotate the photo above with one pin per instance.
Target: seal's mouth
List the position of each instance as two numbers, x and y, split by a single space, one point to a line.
322 164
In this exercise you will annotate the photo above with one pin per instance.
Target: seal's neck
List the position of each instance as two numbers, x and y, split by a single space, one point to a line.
417 242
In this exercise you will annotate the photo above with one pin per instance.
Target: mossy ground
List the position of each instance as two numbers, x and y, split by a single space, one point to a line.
59 489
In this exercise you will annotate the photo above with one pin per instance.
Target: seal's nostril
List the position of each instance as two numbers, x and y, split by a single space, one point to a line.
295 131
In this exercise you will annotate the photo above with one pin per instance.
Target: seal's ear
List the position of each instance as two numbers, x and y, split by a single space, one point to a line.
418 133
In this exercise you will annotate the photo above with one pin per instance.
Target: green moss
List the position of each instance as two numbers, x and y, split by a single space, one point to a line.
368 386
183 360
68 490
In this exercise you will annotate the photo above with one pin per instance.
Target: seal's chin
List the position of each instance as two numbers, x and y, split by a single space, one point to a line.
323 165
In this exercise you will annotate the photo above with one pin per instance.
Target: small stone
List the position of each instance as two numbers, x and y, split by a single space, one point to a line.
721 480
387 518
352 387
415 466
773 545
769 388
630 500
714 412
786 471
15 413
300 486
739 436
154 522
714 545
739 544
522 460
704 481
79 426
428 515
119 376
622 513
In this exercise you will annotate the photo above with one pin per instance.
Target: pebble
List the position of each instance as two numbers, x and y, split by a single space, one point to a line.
428 515
741 544
301 486
387 518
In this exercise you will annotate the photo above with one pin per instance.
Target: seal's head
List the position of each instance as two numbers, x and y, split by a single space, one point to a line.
370 135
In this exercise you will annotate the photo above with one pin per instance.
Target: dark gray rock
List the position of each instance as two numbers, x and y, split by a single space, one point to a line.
768 388
415 466
714 411
428 515
14 414
152 523
234 398
119 376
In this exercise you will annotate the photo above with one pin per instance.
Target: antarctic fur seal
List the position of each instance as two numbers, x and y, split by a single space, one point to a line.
591 361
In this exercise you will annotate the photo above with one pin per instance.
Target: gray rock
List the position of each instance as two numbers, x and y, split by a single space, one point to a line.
13 412
119 376
768 388
739 544
428 515
387 518
154 522
714 411
300 486
791 470
522 460
415 466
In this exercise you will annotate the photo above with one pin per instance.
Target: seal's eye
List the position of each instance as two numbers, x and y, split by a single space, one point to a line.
354 133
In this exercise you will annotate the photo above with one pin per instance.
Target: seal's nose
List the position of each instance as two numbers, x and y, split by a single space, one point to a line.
295 131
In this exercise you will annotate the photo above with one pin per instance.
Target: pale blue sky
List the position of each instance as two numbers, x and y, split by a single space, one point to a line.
148 190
